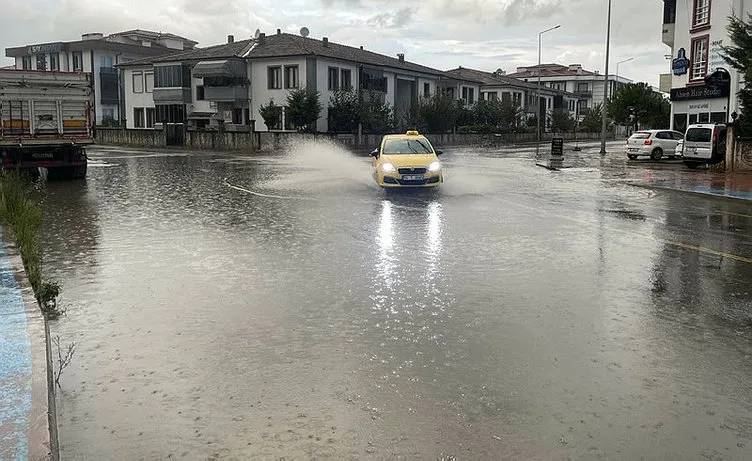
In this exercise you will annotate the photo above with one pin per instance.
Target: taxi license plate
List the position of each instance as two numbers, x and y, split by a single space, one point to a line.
413 177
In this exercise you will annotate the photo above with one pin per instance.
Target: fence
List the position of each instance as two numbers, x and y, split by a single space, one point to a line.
266 140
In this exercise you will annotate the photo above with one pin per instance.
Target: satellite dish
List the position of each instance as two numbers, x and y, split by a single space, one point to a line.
304 32
256 35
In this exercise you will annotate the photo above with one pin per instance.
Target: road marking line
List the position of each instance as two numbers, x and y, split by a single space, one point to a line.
708 250
264 195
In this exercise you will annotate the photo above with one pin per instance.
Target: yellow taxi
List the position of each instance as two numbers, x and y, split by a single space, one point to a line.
406 160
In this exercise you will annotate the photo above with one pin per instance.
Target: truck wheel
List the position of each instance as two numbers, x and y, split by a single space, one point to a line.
657 154
691 165
79 172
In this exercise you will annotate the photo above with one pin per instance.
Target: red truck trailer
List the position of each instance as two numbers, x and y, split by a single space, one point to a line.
45 121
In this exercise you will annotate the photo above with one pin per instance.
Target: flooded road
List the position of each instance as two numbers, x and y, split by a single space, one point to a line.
234 307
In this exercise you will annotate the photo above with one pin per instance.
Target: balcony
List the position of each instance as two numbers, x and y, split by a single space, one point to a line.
226 93
172 95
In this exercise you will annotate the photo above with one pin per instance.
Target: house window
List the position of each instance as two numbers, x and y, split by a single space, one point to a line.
274 78
548 103
54 63
170 113
291 76
468 95
699 58
78 61
106 61
138 117
199 92
138 82
26 63
492 96
701 13
237 116
333 80
582 87
345 78
41 62
149 82
149 117
426 90
175 76
517 97
506 97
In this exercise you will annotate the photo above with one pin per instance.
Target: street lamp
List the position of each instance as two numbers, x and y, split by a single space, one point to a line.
537 99
604 123
617 72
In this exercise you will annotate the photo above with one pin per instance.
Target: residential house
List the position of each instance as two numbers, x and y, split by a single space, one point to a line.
99 54
586 84
696 31
496 86
229 83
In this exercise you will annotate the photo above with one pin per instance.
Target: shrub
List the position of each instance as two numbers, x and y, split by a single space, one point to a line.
439 113
272 115
303 109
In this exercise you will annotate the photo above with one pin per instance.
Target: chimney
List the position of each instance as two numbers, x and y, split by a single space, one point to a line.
230 39
279 31
261 38
401 57
361 47
326 41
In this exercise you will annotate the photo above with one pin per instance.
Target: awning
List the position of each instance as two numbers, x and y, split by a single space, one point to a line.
223 68
200 115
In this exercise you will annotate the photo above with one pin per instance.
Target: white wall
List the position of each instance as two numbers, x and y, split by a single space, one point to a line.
260 94
132 99
431 86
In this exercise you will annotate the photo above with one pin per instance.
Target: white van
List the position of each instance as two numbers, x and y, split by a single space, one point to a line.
704 144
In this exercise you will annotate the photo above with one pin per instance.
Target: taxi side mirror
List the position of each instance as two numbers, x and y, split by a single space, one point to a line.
374 153
439 152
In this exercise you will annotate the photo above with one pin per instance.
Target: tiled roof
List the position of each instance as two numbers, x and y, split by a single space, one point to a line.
490 79
279 45
154 35
291 45
223 51
550 70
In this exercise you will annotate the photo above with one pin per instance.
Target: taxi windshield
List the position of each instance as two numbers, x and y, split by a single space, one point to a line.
407 146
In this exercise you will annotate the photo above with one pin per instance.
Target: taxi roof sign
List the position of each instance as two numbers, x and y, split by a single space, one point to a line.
412 133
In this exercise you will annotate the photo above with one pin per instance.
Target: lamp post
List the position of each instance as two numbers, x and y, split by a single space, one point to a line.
604 123
537 98
617 71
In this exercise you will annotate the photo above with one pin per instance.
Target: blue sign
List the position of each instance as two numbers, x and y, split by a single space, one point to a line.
680 65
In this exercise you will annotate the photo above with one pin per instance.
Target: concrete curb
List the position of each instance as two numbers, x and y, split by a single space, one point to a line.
42 432
707 195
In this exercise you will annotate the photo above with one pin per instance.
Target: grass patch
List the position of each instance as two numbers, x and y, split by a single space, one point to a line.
22 215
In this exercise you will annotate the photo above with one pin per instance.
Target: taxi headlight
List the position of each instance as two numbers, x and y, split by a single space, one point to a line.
388 168
435 166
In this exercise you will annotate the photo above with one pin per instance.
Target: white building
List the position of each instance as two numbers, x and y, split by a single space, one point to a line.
496 86
228 83
98 54
586 84
696 32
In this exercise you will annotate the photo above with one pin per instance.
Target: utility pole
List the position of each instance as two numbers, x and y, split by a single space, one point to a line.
537 90
604 122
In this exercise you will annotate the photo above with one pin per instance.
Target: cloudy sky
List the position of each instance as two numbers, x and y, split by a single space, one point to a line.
482 34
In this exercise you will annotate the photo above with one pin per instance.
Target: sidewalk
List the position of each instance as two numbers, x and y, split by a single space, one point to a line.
24 384
731 185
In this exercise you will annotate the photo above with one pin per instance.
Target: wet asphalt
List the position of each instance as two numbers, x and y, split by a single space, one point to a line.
235 307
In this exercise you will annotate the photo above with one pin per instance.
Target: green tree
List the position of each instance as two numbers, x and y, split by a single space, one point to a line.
739 56
591 119
303 109
496 116
376 115
561 121
272 115
437 113
345 111
637 104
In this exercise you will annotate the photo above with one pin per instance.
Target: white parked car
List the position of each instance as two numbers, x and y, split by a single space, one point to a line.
655 144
